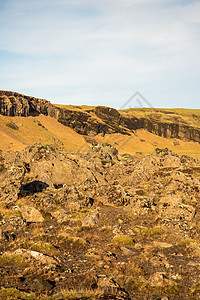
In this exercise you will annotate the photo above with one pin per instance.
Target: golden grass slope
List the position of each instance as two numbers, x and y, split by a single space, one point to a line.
145 142
47 130
183 116
42 129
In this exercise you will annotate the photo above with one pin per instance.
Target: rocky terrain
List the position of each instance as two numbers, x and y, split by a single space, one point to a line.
183 125
99 225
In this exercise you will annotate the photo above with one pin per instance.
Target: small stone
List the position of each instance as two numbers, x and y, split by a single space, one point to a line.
126 251
79 295
120 221
90 220
44 259
31 214
157 279
193 264
60 215
138 246
162 244
117 231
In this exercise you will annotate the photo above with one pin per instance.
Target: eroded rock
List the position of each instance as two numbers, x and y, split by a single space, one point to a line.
31 214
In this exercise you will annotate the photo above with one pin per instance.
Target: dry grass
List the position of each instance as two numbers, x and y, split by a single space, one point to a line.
146 142
172 115
75 107
66 139
51 132
12 293
8 213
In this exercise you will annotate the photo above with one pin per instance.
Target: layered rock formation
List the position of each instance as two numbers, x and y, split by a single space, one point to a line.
15 104
99 119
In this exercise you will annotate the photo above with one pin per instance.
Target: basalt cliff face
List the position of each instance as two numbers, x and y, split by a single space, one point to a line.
102 119
171 130
15 104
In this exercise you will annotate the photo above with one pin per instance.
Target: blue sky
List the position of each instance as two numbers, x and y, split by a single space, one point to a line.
101 52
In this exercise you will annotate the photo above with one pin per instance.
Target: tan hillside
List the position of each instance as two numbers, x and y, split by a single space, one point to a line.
42 129
146 142
98 204
47 130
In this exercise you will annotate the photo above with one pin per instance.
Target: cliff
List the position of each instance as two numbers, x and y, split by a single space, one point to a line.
169 124
15 104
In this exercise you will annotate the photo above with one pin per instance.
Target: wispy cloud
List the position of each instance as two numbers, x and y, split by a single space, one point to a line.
100 52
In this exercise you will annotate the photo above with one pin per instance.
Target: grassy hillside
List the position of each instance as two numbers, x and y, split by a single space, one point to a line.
181 115
18 132
146 142
42 129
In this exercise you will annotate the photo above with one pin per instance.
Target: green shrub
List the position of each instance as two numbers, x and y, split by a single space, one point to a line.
48 147
154 231
12 260
44 248
185 242
124 240
12 293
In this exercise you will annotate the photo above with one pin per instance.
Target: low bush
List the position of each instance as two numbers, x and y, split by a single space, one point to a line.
124 240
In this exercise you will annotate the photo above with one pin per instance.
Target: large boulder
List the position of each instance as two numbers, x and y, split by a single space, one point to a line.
12 172
31 214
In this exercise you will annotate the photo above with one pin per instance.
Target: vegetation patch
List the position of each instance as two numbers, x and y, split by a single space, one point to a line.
124 240
77 294
12 293
148 231
8 213
13 260
72 239
44 248
186 242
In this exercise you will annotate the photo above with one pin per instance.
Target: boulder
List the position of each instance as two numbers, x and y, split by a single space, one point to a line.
60 215
12 172
42 258
90 220
31 214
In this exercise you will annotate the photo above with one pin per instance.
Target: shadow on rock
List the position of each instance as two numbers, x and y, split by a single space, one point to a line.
33 187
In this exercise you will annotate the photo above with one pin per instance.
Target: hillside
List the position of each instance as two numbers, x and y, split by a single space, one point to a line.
98 225
26 120
98 204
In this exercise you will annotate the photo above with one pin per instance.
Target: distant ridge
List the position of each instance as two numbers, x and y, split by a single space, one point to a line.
105 120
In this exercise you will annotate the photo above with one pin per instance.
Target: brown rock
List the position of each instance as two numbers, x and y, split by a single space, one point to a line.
44 259
31 214
90 220
157 279
60 215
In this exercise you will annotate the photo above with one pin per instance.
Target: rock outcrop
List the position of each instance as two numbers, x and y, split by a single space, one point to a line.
100 119
94 225
171 130
15 104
